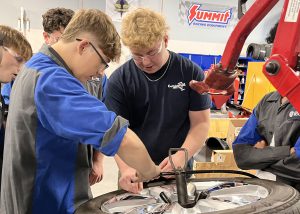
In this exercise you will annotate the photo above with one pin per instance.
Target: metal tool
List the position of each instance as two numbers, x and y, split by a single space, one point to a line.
181 183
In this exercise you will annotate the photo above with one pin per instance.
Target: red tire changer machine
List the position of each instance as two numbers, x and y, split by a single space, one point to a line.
283 66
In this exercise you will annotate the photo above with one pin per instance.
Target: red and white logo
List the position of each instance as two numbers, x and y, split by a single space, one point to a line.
196 14
294 114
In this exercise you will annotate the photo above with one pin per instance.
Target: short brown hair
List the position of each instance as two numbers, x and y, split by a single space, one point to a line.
56 18
13 39
142 28
98 24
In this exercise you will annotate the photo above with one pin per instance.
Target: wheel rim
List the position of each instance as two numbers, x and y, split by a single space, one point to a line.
221 195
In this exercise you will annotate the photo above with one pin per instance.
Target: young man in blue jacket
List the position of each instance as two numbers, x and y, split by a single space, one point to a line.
55 20
14 51
53 119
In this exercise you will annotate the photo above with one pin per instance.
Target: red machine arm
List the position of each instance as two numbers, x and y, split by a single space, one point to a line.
281 66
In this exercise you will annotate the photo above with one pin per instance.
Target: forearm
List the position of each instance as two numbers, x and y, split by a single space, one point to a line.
97 156
121 164
133 152
288 168
249 157
196 138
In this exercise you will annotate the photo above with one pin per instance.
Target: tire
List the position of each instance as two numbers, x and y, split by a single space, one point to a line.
259 51
253 50
281 199
93 206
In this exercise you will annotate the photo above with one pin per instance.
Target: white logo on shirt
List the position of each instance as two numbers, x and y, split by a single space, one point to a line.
179 85
293 114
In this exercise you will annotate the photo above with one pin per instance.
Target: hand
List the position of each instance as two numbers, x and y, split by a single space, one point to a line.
292 151
260 144
128 180
178 159
154 174
296 148
96 173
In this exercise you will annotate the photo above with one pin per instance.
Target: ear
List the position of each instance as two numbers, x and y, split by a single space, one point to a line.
82 45
166 40
46 37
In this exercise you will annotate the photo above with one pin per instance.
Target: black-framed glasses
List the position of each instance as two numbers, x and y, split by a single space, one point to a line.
97 52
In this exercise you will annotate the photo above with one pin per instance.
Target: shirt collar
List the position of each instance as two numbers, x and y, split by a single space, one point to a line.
49 51
274 97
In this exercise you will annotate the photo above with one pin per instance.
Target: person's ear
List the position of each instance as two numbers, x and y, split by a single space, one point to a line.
166 40
46 37
82 46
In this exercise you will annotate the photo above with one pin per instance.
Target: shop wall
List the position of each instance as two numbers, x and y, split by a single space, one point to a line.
184 38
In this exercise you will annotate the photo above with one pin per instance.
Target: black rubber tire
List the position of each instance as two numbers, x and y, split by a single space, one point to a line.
253 50
94 205
259 51
282 199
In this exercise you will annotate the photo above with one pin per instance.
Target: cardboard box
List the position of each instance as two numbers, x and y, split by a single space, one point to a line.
220 160
234 127
224 157
222 127
218 127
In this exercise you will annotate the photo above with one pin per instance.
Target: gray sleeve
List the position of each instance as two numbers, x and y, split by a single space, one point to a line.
249 157
94 87
288 167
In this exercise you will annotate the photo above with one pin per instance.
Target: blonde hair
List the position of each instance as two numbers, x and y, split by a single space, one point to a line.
13 39
98 24
142 28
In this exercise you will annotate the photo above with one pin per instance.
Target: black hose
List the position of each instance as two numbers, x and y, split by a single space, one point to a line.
162 174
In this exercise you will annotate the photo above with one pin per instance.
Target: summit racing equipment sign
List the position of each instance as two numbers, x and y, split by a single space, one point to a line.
207 15
197 15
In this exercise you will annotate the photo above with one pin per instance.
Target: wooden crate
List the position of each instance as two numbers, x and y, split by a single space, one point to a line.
221 160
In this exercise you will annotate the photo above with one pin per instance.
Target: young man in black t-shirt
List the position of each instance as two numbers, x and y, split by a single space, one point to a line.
152 91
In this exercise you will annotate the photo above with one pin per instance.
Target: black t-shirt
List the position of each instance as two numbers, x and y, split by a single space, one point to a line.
158 111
